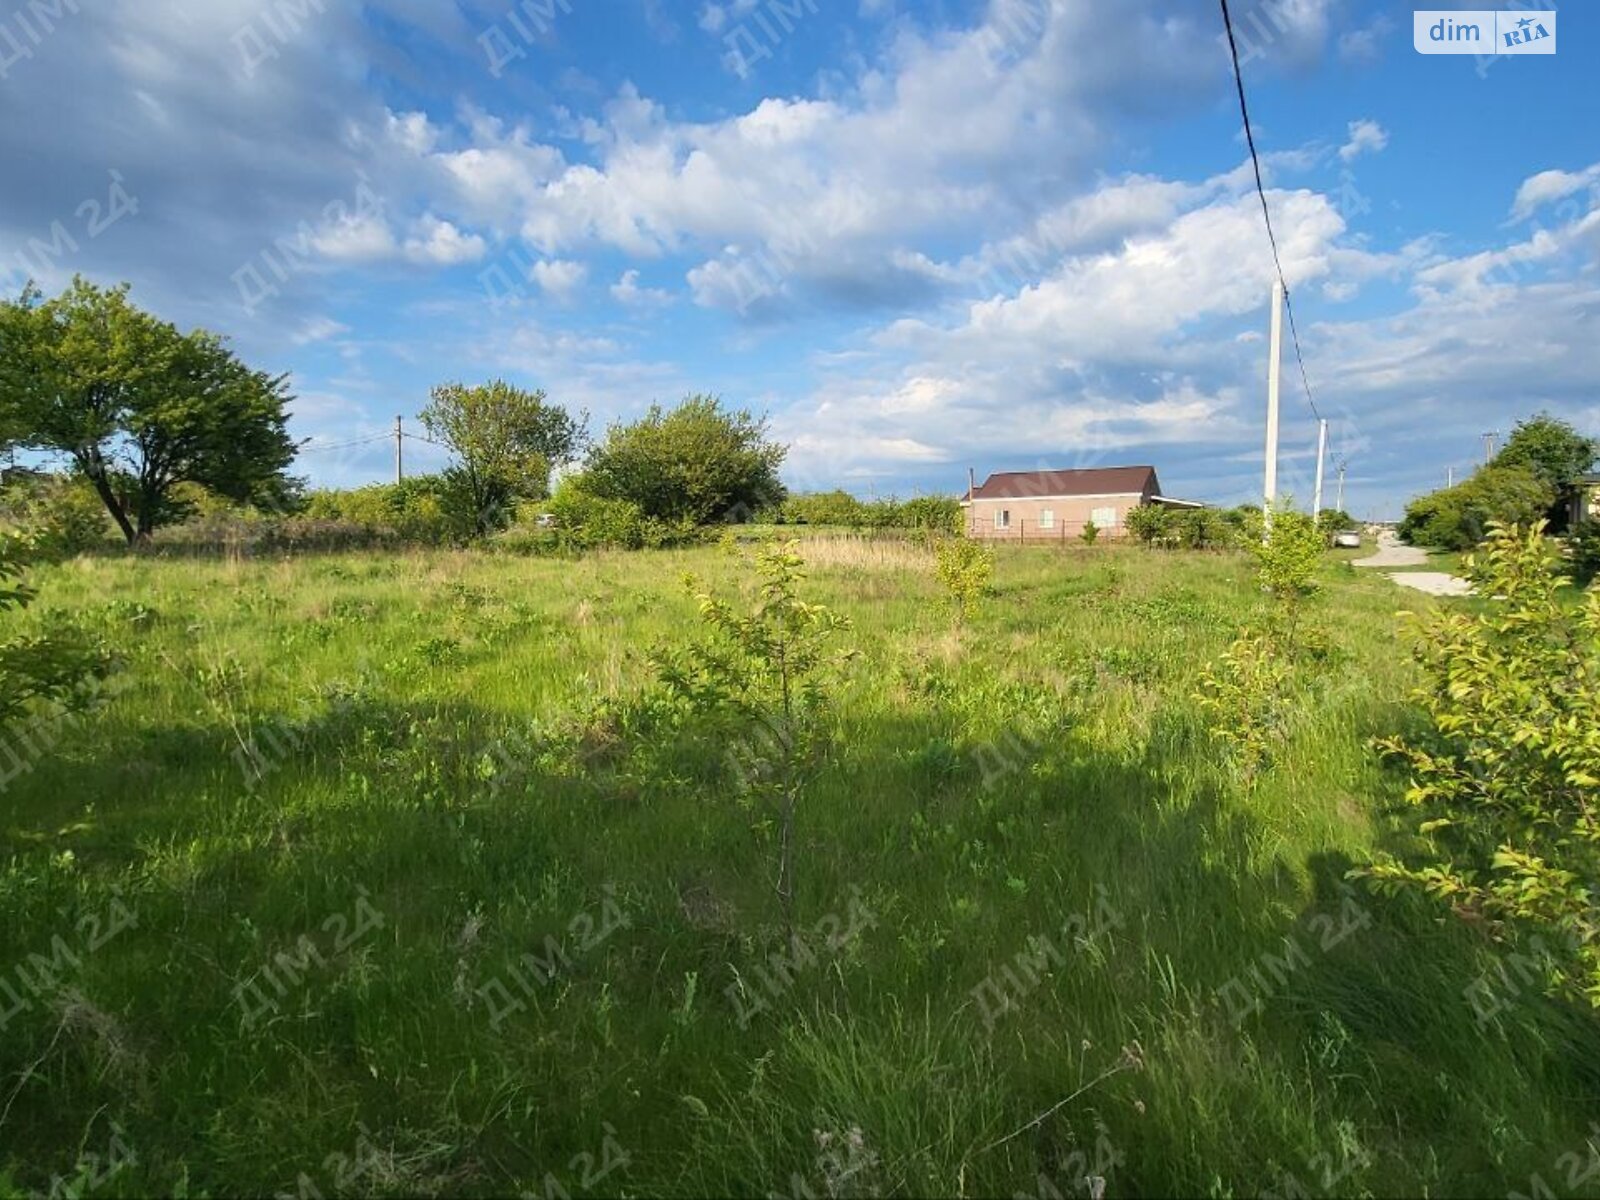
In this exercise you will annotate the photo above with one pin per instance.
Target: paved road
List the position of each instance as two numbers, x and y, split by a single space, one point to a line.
1394 553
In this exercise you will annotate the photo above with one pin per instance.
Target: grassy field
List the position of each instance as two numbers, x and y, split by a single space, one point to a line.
385 875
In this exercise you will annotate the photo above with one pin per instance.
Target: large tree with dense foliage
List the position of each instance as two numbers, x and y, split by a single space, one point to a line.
138 406
1554 451
505 442
1551 449
696 463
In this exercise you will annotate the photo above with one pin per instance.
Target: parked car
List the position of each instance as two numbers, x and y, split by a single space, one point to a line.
1348 540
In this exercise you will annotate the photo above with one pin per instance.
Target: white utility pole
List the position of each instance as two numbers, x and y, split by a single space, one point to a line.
1488 446
1322 453
1449 477
1269 489
1343 466
399 452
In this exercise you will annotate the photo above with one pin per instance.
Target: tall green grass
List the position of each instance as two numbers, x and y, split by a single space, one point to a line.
442 771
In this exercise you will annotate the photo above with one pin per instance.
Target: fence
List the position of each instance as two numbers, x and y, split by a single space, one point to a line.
1024 532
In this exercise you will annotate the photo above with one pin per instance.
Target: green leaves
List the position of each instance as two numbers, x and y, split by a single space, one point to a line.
1508 774
138 406
505 442
1287 559
696 464
966 569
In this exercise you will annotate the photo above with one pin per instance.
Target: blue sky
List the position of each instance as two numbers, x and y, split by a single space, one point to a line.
921 237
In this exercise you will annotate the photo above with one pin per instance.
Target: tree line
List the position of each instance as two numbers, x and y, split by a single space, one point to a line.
158 426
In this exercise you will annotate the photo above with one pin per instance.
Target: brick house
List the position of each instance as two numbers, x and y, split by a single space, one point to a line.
1045 505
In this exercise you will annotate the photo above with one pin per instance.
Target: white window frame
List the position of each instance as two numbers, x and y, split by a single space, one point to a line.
1047 518
1105 518
1002 518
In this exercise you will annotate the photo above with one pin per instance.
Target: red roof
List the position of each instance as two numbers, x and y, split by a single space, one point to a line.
1095 481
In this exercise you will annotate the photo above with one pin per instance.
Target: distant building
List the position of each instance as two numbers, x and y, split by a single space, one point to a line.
1029 505
1586 498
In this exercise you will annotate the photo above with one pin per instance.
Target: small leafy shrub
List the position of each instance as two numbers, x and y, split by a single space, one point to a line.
1507 776
1201 529
1244 697
768 672
966 569
1151 524
1090 534
1288 557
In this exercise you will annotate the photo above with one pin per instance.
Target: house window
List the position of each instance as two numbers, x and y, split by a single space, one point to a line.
1104 518
1047 518
1002 519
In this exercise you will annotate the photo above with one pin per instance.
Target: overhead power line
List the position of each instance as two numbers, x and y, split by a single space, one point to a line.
314 449
1266 212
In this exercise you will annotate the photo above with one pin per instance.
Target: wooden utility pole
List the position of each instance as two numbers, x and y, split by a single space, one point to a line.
399 452
1322 453
1269 491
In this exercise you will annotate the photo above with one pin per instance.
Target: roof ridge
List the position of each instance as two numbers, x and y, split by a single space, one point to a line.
1072 470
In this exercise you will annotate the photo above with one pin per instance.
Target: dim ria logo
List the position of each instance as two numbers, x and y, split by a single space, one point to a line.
1484 31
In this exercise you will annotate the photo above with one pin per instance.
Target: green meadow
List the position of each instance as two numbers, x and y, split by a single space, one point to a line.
394 874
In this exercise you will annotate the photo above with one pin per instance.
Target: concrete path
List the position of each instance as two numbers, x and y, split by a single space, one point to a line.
1392 552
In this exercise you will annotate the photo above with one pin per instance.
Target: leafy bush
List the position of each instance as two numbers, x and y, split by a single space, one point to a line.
966 568
1458 518
1288 557
1243 698
588 521
62 671
1201 529
1334 520
823 508
693 464
1090 533
1507 775
1151 524
941 514
62 511
425 509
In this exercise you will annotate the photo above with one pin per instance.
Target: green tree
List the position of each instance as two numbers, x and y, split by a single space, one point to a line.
966 569
1549 448
505 442
139 407
824 508
1459 518
1506 773
698 462
1334 520
1288 556
770 671
1151 524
